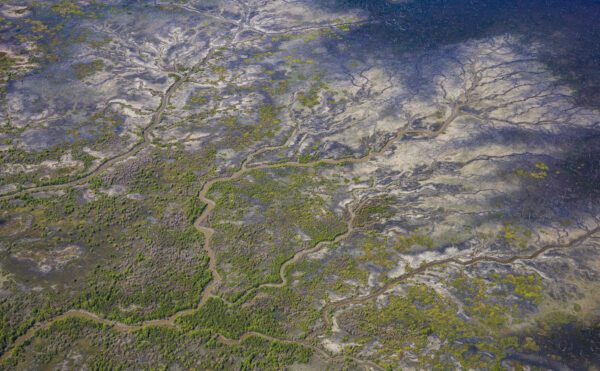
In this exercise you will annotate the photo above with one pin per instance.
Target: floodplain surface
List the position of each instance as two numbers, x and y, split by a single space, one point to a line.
336 184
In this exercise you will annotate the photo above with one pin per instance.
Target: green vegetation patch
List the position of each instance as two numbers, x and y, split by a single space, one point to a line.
67 8
373 211
310 98
242 132
231 321
85 70
176 285
411 322
515 236
526 286
405 243
6 64
137 257
539 171
78 343
263 218
375 249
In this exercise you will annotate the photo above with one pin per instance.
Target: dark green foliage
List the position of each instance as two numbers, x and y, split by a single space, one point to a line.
194 209
231 321
174 289
100 348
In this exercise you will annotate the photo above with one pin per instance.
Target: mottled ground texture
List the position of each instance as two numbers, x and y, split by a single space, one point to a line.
300 184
